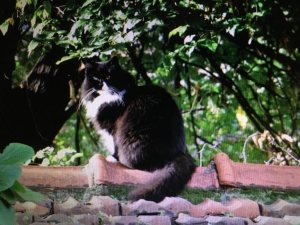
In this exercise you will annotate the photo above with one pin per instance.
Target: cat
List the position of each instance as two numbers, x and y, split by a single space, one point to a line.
141 127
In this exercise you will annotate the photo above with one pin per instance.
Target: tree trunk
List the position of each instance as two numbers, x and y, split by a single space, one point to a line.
34 113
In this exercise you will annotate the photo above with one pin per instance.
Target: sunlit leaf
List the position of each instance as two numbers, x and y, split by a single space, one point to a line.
32 45
87 2
4 27
179 30
47 9
241 117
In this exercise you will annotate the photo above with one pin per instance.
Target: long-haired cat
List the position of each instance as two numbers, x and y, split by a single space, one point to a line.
141 127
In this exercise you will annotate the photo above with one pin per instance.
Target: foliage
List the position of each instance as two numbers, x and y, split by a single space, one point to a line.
10 189
50 157
232 66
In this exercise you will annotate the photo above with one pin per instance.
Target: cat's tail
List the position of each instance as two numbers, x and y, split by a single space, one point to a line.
168 181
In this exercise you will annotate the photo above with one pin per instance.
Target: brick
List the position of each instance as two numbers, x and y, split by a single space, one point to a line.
69 176
235 207
257 175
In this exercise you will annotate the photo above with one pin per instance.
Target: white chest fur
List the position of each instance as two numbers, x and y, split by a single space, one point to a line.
92 108
104 97
108 141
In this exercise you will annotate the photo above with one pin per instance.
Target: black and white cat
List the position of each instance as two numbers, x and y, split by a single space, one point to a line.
141 127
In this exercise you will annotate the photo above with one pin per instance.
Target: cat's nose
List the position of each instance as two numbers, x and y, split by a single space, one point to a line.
100 83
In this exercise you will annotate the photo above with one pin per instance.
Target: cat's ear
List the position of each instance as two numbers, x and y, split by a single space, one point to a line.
86 63
114 61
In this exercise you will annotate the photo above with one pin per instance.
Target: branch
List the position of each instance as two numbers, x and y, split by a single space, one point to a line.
137 63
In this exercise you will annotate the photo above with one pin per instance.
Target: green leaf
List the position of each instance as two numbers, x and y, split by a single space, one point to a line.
87 3
30 195
15 154
18 187
32 45
180 30
8 176
7 213
47 9
77 24
9 196
4 27
33 20
66 58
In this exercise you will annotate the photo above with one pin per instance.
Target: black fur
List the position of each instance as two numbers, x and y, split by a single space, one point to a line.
145 124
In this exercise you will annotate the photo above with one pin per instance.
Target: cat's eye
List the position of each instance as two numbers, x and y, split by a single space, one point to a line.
108 77
96 78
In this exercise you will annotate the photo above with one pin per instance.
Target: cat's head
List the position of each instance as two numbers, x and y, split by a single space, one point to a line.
106 77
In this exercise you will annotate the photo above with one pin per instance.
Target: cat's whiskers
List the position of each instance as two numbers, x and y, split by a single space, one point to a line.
85 96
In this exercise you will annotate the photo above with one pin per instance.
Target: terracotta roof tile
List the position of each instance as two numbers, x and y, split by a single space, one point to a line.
235 207
112 211
262 220
163 220
140 207
108 172
69 176
281 207
175 205
241 174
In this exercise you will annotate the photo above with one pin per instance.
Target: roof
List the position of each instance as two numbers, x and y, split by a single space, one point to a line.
218 179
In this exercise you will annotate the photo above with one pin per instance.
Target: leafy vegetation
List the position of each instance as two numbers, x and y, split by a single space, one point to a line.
51 157
232 66
10 189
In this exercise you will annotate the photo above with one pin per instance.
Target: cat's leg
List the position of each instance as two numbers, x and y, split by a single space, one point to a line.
111 158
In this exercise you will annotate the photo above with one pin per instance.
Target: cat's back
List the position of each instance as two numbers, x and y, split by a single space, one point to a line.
153 103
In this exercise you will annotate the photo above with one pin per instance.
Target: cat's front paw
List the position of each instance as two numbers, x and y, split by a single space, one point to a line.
112 159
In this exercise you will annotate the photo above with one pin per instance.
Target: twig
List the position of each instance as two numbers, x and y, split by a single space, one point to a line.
87 129
269 161
245 144
202 149
297 160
